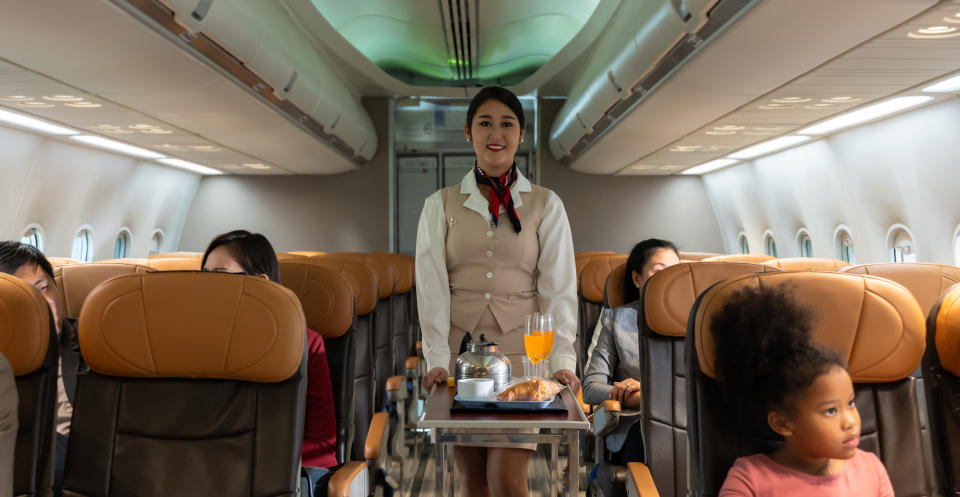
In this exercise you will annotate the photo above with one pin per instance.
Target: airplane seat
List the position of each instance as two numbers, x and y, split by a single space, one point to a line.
62 261
197 387
695 256
74 284
28 341
399 307
941 369
285 256
176 255
175 264
306 253
383 335
593 278
329 307
928 283
363 283
807 264
758 258
613 287
875 322
665 303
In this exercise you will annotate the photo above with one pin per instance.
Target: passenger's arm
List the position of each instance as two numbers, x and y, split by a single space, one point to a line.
598 375
433 284
557 283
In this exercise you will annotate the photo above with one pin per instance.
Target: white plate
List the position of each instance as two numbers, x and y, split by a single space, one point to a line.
477 401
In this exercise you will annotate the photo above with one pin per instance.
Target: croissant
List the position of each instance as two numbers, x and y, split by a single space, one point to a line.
531 390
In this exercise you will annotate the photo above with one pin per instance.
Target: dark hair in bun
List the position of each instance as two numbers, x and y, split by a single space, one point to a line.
763 347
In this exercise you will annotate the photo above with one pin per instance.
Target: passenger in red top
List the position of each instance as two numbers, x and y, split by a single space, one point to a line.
242 252
764 350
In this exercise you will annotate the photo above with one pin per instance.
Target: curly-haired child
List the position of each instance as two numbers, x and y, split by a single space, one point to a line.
764 350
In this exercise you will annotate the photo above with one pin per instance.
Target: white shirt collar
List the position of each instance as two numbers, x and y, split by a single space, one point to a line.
478 203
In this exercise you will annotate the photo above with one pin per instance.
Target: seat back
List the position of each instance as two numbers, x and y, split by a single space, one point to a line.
363 283
874 322
696 256
28 341
383 335
665 303
330 310
306 253
76 281
613 287
739 258
593 279
807 264
175 264
197 388
941 370
176 255
399 306
927 282
62 261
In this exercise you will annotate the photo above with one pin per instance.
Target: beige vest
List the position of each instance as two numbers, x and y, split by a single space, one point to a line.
492 266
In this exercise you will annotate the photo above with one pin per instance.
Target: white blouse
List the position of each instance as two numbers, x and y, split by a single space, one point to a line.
556 281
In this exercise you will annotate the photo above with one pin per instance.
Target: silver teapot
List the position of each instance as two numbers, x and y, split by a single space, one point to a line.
481 360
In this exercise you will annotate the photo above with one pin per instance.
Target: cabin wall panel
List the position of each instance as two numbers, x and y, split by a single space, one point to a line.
615 212
901 170
62 186
331 213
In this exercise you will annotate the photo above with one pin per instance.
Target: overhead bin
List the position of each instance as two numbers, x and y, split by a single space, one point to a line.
261 36
625 53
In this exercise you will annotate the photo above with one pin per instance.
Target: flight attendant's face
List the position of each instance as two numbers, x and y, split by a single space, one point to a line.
495 134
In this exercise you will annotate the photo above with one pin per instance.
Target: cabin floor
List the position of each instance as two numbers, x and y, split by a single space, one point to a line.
419 473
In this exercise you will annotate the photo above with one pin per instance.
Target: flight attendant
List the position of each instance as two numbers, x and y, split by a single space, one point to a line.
491 250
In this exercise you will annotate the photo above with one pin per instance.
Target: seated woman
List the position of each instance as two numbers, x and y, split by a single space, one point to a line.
248 253
614 365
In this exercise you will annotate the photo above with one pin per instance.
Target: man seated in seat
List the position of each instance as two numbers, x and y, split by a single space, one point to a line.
29 264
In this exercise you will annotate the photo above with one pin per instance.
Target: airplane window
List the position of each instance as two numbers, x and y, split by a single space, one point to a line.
121 247
156 242
845 250
83 246
33 235
806 245
744 246
769 245
900 245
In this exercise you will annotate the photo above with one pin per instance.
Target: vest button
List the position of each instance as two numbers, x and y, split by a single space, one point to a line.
489 234
487 295
489 275
489 253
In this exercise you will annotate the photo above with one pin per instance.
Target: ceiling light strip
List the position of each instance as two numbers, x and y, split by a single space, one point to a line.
768 147
191 166
115 146
865 114
707 167
946 86
27 122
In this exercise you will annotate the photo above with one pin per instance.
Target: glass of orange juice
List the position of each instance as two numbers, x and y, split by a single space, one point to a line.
538 338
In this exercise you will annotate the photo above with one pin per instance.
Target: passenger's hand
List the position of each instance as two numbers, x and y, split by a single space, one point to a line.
433 377
566 377
622 390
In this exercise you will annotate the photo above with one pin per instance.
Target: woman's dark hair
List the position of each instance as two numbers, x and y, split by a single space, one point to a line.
641 253
13 255
502 95
764 349
252 250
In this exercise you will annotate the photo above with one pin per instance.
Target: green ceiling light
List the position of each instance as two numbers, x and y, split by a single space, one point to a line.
418 42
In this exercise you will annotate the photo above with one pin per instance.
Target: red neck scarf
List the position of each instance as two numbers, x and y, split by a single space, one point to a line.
500 194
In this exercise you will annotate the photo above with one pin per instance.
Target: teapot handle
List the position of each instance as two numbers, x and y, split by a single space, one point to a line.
463 343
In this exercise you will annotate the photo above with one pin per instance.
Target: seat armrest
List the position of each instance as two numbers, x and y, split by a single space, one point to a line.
606 418
639 481
376 443
350 480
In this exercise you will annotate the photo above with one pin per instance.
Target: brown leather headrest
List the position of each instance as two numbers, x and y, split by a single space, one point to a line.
174 264
177 255
739 258
670 294
62 261
807 264
327 299
402 269
361 278
927 282
593 278
582 259
24 325
285 256
947 335
76 281
193 325
696 256
386 280
613 288
874 322
141 261
306 253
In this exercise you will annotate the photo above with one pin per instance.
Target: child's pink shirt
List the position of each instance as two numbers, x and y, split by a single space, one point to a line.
759 476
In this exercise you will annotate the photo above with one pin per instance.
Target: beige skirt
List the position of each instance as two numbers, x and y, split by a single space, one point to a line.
509 343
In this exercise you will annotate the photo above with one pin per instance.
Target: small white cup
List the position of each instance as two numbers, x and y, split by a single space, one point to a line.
475 388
